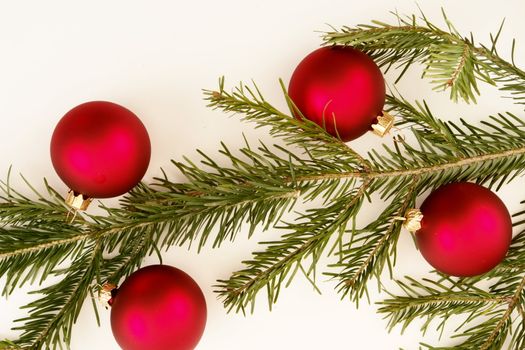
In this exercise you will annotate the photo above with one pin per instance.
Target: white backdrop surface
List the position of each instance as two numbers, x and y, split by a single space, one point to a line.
155 57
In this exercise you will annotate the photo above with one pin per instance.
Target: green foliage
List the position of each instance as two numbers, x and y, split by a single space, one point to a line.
373 247
493 315
281 259
260 183
450 60
26 257
51 318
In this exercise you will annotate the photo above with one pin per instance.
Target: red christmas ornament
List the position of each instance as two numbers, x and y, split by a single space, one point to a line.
100 149
466 229
158 307
342 84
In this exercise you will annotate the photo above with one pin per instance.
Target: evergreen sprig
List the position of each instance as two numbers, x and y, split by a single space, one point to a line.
493 316
51 323
261 182
450 60
391 172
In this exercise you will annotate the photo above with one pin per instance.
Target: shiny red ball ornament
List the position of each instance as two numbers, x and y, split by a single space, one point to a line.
340 84
466 229
100 149
158 307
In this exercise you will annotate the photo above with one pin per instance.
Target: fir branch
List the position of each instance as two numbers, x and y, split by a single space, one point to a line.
131 253
34 236
436 299
51 317
450 60
446 152
491 313
373 247
262 187
505 134
258 185
504 324
483 162
308 238
250 103
26 255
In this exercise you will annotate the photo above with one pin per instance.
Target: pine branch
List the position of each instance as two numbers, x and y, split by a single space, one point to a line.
51 317
133 249
307 135
34 236
435 300
491 313
26 254
370 249
505 134
450 60
308 238
259 184
435 162
18 209
264 184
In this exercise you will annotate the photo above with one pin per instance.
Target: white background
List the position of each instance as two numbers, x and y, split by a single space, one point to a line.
155 57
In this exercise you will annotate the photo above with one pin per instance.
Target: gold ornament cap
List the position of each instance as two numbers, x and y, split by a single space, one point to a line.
78 201
413 219
105 294
384 124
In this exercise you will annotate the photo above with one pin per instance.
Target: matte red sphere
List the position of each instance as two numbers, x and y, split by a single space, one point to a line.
158 307
100 149
340 83
466 229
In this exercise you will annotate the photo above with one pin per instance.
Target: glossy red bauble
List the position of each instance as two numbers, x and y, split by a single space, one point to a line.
158 307
466 229
342 84
100 149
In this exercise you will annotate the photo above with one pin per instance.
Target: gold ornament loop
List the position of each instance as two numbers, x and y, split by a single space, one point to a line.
384 124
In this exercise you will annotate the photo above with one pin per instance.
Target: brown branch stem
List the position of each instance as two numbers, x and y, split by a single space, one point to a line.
104 232
458 163
455 74
513 302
